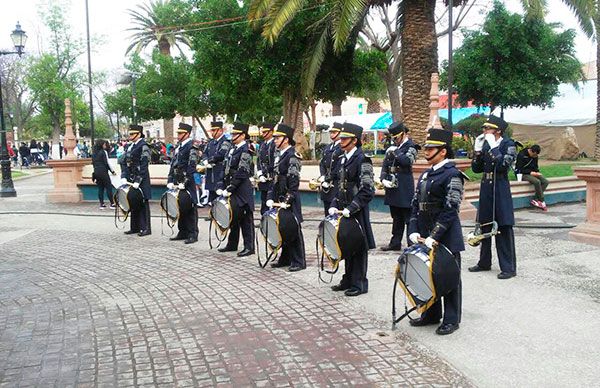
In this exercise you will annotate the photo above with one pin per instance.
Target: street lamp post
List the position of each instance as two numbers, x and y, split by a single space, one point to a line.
129 78
7 189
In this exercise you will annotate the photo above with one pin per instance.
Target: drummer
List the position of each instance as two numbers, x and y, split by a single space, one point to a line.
238 170
266 158
181 173
434 217
213 159
285 191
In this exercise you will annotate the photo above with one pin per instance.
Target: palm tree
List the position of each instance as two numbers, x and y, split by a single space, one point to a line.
418 41
154 24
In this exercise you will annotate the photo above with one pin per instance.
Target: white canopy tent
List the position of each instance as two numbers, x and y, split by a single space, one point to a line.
572 108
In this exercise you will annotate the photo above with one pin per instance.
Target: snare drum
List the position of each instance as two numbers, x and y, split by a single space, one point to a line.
128 198
175 202
426 274
278 222
221 213
340 237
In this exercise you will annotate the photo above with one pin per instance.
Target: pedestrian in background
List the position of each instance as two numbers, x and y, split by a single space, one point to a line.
100 174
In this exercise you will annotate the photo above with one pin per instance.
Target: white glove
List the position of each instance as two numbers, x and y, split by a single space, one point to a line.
332 211
226 193
269 203
123 181
491 139
170 186
391 149
181 186
325 185
262 179
429 242
321 179
259 173
284 205
205 163
219 192
414 237
136 185
346 212
387 184
478 146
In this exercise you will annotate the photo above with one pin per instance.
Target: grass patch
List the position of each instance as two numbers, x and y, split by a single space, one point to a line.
549 169
17 173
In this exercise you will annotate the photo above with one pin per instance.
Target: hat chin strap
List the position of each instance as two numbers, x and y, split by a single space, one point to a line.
434 155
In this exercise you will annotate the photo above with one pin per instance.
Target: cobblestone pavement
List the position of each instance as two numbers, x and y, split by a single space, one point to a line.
150 315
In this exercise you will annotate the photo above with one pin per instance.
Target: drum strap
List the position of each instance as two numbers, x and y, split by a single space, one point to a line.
270 256
321 258
220 237
119 213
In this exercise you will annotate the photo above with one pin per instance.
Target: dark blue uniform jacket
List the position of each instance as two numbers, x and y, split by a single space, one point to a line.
135 166
287 180
399 164
183 167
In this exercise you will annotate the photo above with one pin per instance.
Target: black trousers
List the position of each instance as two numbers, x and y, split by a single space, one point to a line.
505 248
245 222
400 218
188 223
355 275
140 218
212 195
452 304
263 201
294 253
326 206
103 186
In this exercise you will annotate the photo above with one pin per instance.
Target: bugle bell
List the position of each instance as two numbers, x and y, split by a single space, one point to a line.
379 185
314 184
475 237
201 169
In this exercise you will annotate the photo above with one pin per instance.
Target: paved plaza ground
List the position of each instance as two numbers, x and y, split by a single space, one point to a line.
82 304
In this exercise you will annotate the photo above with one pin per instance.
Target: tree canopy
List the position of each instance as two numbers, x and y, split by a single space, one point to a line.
513 62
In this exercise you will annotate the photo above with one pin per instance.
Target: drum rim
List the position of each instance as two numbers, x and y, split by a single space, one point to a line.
278 232
122 188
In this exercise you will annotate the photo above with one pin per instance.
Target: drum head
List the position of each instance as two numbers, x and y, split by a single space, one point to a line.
270 229
415 273
221 213
169 204
121 197
328 237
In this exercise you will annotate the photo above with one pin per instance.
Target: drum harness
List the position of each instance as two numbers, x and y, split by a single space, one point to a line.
274 252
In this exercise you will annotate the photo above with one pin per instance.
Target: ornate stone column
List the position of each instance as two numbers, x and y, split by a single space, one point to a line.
589 231
68 171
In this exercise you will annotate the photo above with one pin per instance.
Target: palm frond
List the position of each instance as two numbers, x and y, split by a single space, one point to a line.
345 14
585 11
258 9
312 63
280 13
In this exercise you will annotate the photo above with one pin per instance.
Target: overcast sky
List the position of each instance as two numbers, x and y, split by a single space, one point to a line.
109 19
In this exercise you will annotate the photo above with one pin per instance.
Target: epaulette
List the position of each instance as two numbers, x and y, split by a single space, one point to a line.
367 159
464 175
297 154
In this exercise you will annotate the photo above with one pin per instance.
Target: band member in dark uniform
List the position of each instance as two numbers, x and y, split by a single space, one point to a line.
434 216
494 155
266 160
181 173
285 191
328 166
397 179
213 159
356 189
238 170
135 170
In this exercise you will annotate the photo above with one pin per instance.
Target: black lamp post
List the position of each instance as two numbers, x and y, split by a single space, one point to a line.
19 38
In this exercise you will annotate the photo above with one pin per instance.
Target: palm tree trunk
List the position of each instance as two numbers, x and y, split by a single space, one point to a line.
293 110
391 84
419 60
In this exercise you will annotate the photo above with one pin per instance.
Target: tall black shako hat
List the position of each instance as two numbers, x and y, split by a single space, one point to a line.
397 128
240 128
496 123
134 129
437 137
184 128
266 126
287 131
336 127
216 125
350 130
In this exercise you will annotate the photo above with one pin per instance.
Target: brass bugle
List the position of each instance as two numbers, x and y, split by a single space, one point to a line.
201 169
314 184
379 185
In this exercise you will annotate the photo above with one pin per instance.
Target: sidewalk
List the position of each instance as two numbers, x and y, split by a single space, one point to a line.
538 329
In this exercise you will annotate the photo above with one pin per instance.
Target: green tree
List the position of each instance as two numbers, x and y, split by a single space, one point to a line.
370 67
513 62
54 75
158 23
